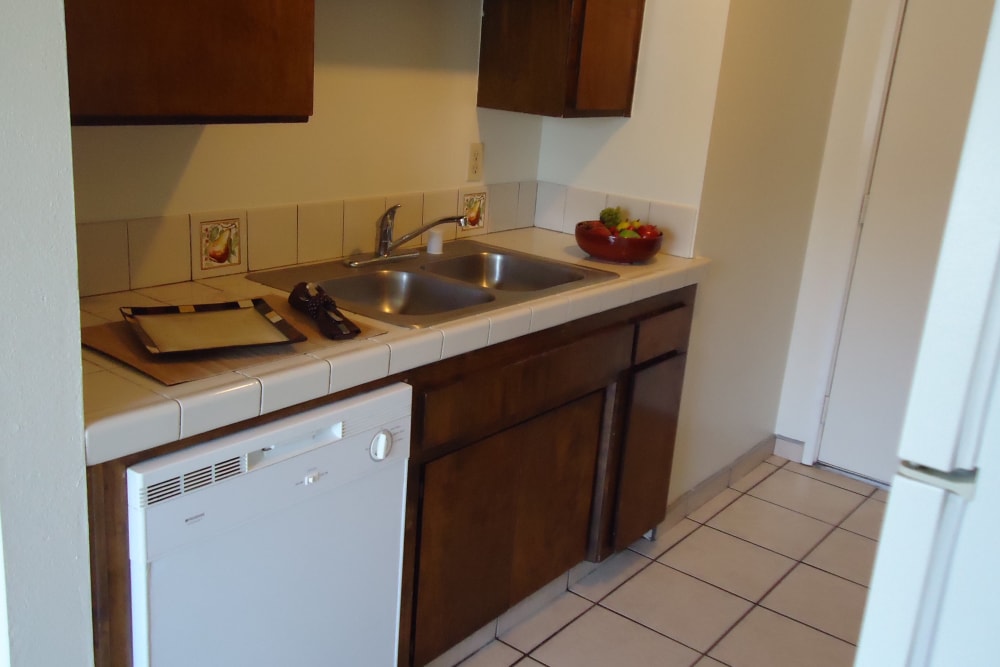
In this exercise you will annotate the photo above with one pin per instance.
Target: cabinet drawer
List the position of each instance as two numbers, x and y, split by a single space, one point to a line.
493 398
666 332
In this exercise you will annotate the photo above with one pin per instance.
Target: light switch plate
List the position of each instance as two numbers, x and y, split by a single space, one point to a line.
476 162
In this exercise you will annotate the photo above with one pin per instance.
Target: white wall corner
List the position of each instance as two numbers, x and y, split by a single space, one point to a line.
581 204
550 206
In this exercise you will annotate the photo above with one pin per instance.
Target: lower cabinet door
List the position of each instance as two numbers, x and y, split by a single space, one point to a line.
555 492
648 451
500 518
466 537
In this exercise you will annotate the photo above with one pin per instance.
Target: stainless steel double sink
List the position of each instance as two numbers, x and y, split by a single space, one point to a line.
467 278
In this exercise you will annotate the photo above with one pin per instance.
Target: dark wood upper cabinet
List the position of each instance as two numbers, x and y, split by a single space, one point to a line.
189 61
560 57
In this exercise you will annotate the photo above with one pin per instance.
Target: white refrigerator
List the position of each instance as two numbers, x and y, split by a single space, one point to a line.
935 591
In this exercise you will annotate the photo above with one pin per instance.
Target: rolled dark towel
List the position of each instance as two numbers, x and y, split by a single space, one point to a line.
313 300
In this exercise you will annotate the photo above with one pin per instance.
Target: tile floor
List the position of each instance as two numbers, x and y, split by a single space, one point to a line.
773 571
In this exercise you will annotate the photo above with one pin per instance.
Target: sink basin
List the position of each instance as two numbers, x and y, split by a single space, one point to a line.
390 292
502 271
468 278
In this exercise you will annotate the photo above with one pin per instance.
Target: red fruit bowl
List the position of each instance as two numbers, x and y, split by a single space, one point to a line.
615 248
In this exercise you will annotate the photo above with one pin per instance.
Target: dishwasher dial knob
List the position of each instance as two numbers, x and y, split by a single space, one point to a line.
381 445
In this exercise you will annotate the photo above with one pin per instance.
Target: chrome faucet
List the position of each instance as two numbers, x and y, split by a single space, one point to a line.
384 244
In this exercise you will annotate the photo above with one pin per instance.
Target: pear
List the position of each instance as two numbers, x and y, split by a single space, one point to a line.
473 211
218 250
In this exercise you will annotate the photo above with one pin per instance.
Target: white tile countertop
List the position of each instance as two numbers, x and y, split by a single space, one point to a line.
126 411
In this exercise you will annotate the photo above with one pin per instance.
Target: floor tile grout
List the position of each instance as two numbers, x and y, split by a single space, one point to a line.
801 622
754 603
854 532
729 629
621 583
648 560
836 486
862 502
790 509
751 542
798 561
641 624
591 604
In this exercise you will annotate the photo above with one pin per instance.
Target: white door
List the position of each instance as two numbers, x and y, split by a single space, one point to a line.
925 119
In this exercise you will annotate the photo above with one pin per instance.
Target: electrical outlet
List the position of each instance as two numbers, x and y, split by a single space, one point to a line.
476 162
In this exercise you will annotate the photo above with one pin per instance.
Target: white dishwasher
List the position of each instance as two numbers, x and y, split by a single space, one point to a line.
277 545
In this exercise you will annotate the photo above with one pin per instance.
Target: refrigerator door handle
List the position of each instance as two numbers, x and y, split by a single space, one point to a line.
960 482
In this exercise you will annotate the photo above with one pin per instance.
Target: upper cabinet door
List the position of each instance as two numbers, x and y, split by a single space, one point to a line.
560 57
189 61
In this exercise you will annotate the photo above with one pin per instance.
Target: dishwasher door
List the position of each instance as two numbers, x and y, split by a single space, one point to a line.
278 545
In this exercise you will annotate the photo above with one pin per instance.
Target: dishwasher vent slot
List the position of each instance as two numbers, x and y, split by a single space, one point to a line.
228 468
191 481
197 479
156 493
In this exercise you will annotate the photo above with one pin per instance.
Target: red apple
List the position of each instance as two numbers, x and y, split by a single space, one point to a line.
648 231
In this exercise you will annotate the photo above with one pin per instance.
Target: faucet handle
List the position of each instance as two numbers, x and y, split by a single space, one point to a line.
390 213
383 236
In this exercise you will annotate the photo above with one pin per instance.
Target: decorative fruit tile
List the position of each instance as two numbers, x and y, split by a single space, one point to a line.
473 205
218 243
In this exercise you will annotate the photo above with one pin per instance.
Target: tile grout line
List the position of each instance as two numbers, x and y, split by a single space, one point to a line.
557 630
751 542
790 509
801 622
754 604
758 604
716 586
833 574
653 630
837 486
650 562
593 603
728 630
799 561
621 583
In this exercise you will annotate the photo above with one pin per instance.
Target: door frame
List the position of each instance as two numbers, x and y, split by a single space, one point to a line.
855 124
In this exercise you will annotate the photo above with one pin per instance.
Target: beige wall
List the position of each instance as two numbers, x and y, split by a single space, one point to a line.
778 76
394 112
659 153
45 590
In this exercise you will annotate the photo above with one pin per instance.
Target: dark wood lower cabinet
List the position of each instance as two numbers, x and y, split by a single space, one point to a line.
466 540
501 518
554 492
648 449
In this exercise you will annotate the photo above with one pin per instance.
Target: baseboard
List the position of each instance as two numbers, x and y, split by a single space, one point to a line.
788 448
716 483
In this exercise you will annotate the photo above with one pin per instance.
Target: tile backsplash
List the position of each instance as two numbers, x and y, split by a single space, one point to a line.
560 207
120 255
